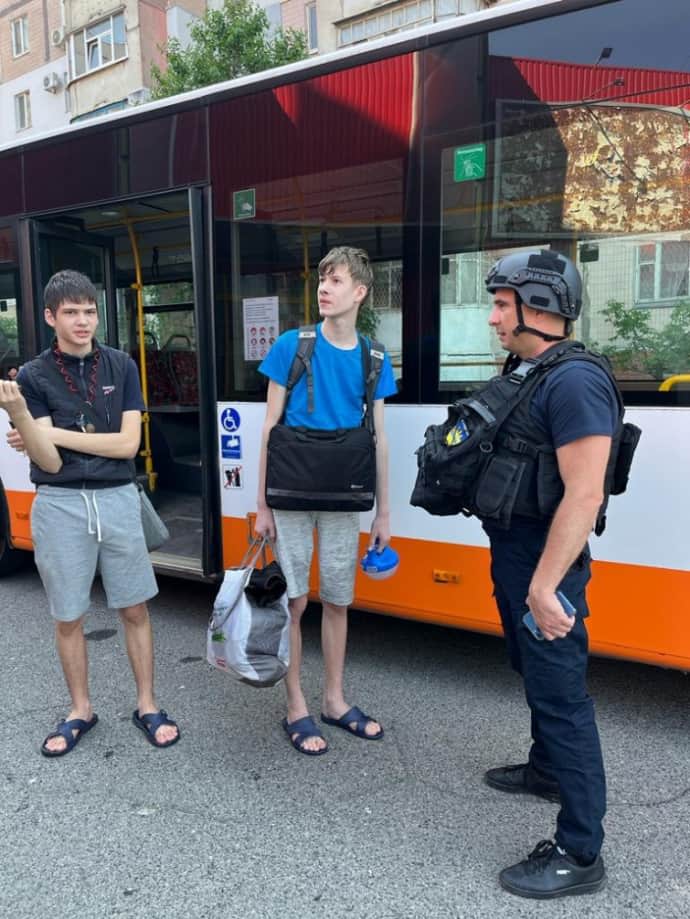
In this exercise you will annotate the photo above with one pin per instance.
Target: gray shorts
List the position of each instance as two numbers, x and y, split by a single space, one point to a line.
338 537
76 533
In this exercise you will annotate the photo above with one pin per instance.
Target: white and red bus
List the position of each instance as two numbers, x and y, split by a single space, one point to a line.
202 218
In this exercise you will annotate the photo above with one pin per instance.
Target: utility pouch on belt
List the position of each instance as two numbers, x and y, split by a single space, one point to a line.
310 469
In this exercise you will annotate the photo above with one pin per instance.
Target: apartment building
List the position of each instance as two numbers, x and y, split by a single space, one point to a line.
33 68
332 24
65 60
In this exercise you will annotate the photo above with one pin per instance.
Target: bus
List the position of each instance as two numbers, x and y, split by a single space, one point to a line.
202 218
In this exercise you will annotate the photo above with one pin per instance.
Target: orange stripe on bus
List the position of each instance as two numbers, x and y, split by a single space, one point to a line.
19 506
634 608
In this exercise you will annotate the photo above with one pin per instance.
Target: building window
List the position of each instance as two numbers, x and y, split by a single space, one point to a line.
20 35
663 271
22 111
98 45
312 34
406 16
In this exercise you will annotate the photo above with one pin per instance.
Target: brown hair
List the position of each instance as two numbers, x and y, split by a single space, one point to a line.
68 286
355 260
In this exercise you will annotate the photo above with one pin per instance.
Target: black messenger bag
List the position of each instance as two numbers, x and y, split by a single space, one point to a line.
314 470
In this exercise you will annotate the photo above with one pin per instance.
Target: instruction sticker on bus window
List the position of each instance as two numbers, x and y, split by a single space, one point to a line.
261 326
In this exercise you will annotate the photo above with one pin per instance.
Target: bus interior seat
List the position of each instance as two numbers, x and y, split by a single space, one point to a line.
183 368
161 384
178 342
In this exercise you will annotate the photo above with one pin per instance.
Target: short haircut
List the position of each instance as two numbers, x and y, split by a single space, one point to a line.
68 286
355 260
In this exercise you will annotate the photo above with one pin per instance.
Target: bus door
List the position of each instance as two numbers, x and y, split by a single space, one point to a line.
149 260
56 245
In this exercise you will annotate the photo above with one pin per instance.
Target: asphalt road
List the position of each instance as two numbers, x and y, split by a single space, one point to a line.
231 822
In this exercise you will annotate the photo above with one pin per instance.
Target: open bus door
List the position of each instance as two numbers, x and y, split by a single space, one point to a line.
178 353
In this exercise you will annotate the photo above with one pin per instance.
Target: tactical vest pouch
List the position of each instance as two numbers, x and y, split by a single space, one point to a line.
313 470
498 488
550 488
457 452
452 457
426 492
630 436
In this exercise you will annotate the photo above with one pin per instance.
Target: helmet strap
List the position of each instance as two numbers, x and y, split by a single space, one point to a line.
521 327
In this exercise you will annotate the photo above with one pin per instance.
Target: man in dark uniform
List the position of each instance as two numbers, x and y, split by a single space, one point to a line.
572 415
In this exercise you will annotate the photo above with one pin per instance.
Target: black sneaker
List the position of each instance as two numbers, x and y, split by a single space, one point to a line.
550 872
522 780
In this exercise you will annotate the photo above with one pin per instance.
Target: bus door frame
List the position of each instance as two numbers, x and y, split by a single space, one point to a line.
201 240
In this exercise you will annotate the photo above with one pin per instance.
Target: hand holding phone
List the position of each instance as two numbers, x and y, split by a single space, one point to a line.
530 622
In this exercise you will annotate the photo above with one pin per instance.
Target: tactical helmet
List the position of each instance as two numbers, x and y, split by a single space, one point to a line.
545 280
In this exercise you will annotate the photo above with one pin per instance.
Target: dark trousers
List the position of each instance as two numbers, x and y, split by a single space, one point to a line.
565 740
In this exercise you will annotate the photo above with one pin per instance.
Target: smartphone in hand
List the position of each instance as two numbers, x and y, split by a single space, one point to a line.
530 623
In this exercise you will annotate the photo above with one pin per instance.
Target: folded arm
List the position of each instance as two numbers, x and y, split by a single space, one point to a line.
122 445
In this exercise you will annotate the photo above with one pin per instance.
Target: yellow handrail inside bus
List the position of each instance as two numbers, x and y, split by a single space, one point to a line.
671 381
145 418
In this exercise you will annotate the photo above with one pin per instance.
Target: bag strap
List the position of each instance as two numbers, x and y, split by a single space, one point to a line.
518 380
256 548
301 363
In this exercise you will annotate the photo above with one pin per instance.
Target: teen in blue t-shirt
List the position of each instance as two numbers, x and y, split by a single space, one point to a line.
345 278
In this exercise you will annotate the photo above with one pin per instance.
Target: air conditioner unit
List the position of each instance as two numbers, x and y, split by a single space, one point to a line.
51 82
57 36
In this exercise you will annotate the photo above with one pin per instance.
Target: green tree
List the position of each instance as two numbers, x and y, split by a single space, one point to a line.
226 43
639 347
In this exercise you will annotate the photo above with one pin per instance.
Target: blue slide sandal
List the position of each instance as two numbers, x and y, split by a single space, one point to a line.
361 721
304 728
65 729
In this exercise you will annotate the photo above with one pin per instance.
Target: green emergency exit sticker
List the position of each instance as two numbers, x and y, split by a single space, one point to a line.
244 203
469 163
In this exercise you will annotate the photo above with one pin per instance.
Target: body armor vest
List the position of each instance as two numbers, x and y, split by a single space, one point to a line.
489 460
64 406
538 487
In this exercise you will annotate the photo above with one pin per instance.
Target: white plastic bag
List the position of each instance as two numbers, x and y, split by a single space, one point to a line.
249 641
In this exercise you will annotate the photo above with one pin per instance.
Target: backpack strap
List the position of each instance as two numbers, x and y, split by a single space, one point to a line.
301 363
372 363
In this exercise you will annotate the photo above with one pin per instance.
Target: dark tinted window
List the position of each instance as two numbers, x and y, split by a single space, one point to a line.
570 133
147 156
325 163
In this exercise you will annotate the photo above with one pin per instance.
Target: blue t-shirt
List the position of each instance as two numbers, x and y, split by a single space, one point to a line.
338 378
575 400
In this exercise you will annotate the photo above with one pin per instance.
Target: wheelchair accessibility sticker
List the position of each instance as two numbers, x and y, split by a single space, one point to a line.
231 446
230 420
